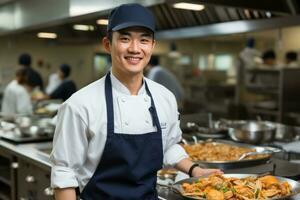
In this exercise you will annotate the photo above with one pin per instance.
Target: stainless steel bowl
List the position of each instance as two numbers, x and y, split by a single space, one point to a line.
253 132
286 133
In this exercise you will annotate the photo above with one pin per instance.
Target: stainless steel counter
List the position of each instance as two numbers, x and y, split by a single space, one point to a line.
32 152
38 153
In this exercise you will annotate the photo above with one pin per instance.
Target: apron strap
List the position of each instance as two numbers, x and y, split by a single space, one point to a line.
152 110
109 104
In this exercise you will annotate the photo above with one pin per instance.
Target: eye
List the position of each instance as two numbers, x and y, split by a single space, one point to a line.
124 39
145 40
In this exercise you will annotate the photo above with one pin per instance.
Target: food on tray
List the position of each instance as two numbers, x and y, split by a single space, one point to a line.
218 187
219 152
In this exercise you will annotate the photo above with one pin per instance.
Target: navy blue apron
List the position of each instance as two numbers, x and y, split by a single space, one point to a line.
128 167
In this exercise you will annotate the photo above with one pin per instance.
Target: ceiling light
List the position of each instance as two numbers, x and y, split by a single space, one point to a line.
81 27
189 6
47 35
102 21
268 14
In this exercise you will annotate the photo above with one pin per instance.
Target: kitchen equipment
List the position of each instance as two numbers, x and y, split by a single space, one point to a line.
27 129
294 184
240 163
212 132
253 132
286 133
245 155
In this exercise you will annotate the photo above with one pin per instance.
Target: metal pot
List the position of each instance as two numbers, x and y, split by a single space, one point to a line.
286 133
253 132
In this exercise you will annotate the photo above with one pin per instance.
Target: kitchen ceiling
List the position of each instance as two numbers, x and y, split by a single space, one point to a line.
170 19
167 18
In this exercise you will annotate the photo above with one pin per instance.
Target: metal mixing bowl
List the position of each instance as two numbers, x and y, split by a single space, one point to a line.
253 132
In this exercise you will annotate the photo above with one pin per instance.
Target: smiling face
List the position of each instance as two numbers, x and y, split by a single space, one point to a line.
130 50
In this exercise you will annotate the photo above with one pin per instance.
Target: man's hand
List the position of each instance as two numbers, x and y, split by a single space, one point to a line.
185 164
197 171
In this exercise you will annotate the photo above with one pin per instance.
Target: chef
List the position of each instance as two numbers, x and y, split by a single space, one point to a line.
16 97
113 135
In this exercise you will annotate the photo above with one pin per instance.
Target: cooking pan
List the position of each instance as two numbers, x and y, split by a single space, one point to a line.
286 133
212 132
252 132
294 184
240 163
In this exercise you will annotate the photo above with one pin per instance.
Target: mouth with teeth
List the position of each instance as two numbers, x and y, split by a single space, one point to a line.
133 60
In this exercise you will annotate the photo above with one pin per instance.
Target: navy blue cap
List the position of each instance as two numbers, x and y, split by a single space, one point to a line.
130 15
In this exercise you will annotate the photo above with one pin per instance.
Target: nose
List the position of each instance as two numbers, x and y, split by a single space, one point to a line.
134 47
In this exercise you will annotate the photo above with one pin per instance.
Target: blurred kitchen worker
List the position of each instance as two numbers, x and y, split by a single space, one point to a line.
34 78
113 135
291 59
164 77
53 82
249 55
269 59
65 89
16 98
249 58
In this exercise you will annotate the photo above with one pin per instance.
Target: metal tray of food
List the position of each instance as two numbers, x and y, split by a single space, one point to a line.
230 148
294 186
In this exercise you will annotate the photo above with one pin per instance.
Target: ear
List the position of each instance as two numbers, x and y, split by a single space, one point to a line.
106 44
153 45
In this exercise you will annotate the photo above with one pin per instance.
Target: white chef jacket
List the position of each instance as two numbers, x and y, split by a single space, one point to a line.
53 82
16 100
166 78
81 129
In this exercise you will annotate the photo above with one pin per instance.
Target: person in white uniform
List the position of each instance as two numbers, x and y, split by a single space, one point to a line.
113 135
53 82
16 98
164 77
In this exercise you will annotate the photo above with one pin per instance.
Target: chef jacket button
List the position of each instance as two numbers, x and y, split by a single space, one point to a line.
146 99
147 121
123 100
126 123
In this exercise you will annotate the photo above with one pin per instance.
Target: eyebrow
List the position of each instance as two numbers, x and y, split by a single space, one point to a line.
142 35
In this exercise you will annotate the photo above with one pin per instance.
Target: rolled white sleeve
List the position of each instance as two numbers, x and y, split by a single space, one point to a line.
70 145
174 153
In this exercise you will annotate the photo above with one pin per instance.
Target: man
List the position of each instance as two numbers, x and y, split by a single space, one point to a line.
269 59
16 98
115 134
291 59
34 78
67 87
164 77
249 55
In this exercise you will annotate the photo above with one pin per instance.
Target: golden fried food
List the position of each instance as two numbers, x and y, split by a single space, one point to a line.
218 152
249 188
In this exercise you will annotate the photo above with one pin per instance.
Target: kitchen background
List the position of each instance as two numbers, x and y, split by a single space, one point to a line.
200 47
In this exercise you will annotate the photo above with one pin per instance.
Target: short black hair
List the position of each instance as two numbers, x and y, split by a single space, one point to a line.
25 59
270 54
65 69
109 35
250 43
291 56
154 60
